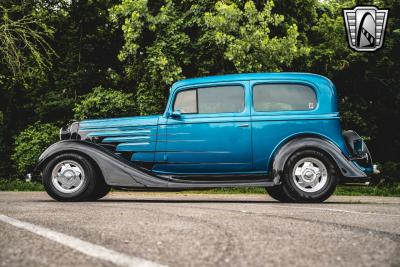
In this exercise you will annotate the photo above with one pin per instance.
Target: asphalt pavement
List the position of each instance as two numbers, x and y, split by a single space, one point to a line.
183 229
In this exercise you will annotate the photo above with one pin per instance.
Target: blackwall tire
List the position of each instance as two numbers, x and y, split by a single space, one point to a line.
66 169
309 176
277 193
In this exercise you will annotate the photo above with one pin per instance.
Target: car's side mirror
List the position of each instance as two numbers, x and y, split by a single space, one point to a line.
176 114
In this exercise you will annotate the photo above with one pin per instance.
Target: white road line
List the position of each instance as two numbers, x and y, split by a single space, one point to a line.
84 247
336 210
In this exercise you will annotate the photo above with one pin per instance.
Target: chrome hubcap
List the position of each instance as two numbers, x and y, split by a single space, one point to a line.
310 175
68 176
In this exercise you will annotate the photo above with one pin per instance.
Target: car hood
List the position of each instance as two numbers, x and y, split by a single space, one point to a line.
117 127
99 124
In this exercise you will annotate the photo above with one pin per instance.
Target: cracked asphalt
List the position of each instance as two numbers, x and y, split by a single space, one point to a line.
184 229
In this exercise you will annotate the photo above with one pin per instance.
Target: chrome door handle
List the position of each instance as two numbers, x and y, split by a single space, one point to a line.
244 125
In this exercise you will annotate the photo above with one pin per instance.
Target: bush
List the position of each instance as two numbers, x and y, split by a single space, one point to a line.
392 190
30 143
104 103
390 172
19 185
2 154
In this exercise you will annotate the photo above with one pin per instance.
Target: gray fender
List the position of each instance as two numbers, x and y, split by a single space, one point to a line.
344 165
116 170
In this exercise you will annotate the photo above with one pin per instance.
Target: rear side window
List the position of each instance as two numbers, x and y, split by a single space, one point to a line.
282 97
218 99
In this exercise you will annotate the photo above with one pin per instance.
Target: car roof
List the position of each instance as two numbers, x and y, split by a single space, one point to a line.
310 77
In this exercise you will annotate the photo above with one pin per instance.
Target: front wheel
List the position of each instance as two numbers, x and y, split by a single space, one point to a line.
72 177
309 176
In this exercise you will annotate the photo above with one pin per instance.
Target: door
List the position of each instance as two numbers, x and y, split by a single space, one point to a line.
209 131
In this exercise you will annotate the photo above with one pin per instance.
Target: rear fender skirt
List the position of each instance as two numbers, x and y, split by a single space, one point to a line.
116 170
345 166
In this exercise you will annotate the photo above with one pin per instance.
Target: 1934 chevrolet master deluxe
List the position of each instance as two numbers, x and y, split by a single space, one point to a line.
280 131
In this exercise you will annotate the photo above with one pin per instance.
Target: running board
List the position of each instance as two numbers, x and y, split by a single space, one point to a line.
194 185
220 180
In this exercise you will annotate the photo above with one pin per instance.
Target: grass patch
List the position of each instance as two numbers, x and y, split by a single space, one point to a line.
19 185
384 190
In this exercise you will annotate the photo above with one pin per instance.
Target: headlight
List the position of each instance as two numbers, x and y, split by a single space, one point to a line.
70 131
65 133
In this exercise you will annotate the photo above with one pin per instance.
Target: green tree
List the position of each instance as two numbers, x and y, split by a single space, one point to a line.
87 46
26 55
245 37
104 103
23 38
87 49
154 49
165 42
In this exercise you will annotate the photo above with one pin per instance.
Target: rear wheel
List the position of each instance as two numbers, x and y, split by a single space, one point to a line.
72 177
101 191
277 193
309 176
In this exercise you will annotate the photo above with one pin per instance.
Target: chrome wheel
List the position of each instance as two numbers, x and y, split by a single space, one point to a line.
68 176
310 174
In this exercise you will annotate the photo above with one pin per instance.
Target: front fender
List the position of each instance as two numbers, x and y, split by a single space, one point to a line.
116 170
347 168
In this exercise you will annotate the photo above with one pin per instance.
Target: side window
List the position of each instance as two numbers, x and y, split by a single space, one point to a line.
218 99
185 101
221 99
281 97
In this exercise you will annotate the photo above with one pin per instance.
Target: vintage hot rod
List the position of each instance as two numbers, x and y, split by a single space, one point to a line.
280 131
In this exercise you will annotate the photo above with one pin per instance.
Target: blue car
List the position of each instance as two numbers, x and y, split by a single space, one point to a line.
280 131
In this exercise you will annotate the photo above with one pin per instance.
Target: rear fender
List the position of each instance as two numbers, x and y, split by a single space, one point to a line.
346 168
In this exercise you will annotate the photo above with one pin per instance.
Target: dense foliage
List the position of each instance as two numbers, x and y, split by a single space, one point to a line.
58 59
24 30
30 143
104 103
